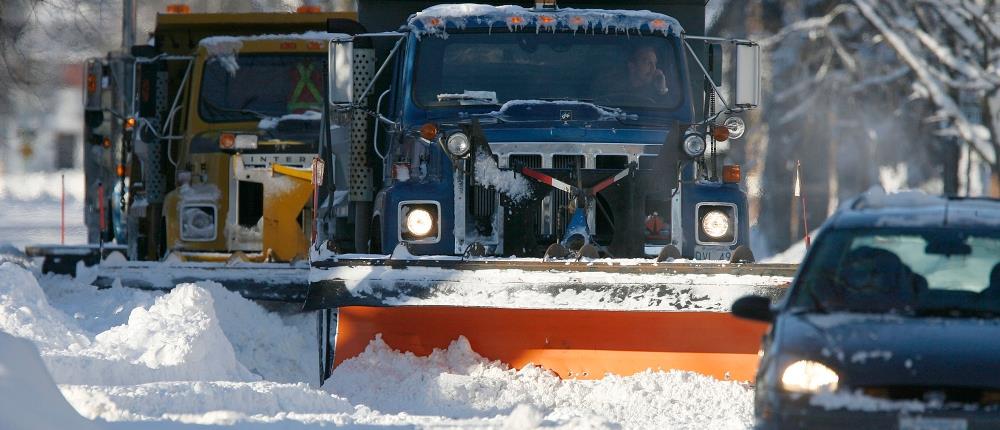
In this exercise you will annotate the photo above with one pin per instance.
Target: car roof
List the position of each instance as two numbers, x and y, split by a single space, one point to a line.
914 209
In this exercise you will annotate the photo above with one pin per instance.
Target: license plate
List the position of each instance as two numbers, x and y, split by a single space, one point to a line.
712 253
925 423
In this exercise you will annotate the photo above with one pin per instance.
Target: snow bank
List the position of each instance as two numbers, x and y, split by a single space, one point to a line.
25 312
207 402
29 399
42 186
277 349
794 254
196 355
459 383
177 338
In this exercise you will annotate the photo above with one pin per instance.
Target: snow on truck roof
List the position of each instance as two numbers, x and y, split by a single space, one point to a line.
436 19
225 48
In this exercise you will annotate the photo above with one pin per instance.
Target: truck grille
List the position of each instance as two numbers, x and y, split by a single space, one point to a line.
484 201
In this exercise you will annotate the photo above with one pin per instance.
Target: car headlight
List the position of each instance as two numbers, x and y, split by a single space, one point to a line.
458 144
419 222
694 145
715 224
805 376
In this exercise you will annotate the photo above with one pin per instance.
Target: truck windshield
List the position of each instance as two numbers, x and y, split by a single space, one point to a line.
607 69
262 86
923 271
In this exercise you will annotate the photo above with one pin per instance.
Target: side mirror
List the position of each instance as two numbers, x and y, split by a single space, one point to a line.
340 68
755 308
747 87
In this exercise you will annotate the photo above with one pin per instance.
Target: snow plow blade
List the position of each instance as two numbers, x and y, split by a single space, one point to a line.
578 319
256 281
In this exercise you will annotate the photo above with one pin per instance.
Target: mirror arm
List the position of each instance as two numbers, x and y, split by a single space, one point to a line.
378 73
704 70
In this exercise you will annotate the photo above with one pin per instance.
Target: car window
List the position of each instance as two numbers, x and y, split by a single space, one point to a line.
904 270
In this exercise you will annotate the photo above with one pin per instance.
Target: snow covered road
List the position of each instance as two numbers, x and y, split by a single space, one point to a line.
203 355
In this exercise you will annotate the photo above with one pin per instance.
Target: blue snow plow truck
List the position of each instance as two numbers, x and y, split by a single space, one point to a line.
504 173
480 130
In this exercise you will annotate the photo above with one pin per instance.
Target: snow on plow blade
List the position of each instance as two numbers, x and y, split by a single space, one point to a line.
256 281
578 319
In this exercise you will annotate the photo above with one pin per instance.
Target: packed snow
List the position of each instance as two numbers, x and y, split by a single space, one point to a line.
201 354
515 186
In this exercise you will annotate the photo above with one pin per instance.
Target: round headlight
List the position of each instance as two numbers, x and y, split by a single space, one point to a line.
694 145
458 144
419 222
806 376
736 127
715 224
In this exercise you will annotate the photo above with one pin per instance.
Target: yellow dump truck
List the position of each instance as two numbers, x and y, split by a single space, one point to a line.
213 158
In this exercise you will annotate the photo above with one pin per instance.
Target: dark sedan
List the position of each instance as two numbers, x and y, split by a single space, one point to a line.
892 322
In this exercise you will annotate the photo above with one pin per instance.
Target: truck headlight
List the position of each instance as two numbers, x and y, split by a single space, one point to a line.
694 145
418 222
715 224
805 376
198 223
458 144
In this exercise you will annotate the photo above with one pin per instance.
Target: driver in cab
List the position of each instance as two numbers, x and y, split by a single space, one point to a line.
645 82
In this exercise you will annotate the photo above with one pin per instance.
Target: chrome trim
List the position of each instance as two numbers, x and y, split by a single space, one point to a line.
400 221
589 150
735 223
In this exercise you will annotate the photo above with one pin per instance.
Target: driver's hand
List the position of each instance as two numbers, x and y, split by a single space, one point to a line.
661 81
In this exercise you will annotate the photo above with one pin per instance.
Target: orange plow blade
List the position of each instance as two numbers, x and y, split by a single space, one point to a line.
582 344
579 319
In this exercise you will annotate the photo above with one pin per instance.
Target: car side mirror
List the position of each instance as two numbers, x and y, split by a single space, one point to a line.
340 68
747 88
755 308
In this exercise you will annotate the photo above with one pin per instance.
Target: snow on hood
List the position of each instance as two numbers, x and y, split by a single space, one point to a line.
435 19
271 123
225 49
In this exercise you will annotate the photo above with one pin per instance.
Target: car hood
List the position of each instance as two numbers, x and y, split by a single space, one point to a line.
886 350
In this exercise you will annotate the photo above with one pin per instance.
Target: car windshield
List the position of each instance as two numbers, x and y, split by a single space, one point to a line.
262 86
942 272
606 69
